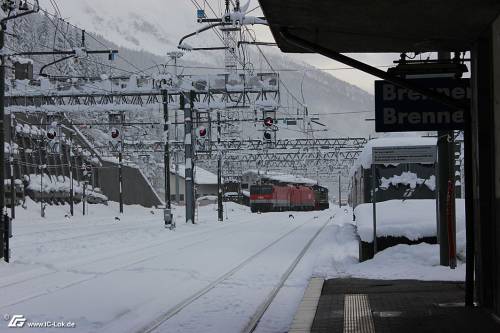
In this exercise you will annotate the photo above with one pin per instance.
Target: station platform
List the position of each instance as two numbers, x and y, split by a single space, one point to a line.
388 306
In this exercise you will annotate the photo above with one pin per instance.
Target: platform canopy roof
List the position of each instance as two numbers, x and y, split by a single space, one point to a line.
381 25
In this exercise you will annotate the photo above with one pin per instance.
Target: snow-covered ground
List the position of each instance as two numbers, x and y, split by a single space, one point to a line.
109 275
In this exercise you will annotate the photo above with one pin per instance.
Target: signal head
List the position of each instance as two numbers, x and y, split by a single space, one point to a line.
51 134
267 136
268 121
115 133
202 132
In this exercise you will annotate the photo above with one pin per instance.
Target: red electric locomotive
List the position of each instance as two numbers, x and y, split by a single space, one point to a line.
301 198
271 198
268 198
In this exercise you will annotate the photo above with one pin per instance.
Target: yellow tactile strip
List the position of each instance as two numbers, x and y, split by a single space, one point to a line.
358 316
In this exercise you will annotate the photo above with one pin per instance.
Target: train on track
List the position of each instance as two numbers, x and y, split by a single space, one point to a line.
278 198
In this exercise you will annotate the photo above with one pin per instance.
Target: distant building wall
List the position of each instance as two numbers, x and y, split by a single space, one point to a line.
136 189
182 187
201 189
206 189
23 71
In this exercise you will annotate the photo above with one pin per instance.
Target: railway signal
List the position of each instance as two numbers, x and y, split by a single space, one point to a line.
51 133
87 169
268 121
115 133
268 136
202 132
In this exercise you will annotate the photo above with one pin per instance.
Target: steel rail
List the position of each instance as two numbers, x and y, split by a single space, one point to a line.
261 310
200 293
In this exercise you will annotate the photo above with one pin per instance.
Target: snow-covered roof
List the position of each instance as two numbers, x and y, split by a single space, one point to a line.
201 176
283 177
390 140
21 60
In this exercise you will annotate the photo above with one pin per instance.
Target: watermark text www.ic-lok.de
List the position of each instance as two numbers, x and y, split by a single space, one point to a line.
20 321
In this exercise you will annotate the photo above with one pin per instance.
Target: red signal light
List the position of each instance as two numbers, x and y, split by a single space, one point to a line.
268 122
202 132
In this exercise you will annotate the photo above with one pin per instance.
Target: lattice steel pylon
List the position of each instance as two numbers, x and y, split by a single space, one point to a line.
230 42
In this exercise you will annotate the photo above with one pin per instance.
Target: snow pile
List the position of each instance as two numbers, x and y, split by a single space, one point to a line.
419 262
339 256
413 219
339 251
408 178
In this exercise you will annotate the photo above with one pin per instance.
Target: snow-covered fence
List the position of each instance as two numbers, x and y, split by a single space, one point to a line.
43 173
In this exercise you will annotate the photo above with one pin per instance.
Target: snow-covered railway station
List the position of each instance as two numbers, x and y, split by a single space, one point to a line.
244 166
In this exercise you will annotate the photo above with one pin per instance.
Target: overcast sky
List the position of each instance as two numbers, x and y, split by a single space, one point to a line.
177 17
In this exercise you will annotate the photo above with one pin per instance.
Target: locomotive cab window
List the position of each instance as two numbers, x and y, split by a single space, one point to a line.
261 189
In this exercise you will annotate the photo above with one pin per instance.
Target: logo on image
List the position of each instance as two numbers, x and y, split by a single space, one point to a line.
17 321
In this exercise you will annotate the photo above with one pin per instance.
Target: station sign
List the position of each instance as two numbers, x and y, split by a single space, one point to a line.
399 109
404 154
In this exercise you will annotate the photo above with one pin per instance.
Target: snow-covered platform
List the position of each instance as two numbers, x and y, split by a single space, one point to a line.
394 306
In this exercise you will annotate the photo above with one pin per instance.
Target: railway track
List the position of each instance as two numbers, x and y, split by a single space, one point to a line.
261 310
205 235
222 278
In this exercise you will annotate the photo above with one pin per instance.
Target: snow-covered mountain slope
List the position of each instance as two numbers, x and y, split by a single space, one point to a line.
152 25
145 31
